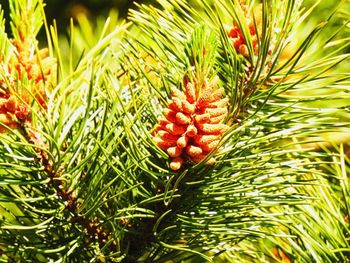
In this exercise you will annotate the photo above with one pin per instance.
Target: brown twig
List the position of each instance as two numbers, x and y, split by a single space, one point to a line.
92 227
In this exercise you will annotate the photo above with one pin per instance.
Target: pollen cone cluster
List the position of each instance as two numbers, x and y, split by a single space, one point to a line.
39 71
37 67
237 38
192 125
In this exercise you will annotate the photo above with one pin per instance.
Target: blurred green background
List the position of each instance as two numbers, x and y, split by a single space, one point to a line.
63 10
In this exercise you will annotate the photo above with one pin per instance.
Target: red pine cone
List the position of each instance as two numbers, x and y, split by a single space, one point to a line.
192 125
238 40
40 68
14 101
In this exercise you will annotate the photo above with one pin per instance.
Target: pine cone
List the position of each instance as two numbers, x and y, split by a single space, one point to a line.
40 68
238 40
15 101
192 127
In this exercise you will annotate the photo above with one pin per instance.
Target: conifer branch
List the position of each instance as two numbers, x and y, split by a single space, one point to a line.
195 137
91 226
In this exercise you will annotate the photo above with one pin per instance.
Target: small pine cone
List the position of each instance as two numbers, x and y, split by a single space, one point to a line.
193 123
40 68
237 38
239 42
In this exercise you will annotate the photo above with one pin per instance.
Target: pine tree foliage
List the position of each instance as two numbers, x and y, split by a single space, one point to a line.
44 162
84 176
321 228
271 96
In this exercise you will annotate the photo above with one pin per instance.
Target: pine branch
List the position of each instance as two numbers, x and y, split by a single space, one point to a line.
194 137
52 202
264 118
92 227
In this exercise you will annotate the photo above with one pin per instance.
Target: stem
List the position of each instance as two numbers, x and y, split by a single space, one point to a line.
92 226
